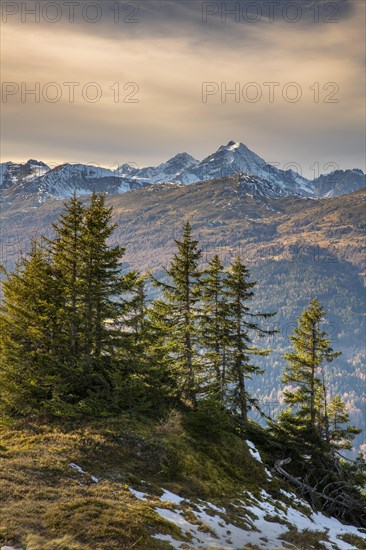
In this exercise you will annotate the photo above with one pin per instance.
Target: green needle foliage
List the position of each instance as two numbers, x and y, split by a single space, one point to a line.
306 418
242 329
214 328
175 317
313 429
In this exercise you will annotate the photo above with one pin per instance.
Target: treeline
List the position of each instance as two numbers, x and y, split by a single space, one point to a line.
79 338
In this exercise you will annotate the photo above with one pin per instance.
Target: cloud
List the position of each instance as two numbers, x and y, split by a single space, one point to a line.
169 53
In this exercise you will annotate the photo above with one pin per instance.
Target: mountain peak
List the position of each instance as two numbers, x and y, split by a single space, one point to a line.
184 158
233 143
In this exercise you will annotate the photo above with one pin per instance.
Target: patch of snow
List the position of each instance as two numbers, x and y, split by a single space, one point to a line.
77 468
80 470
138 494
168 538
253 451
167 496
212 530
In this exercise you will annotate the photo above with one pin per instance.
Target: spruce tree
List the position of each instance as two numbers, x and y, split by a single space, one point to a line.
66 249
143 379
305 419
33 375
214 324
175 316
104 297
341 433
63 318
241 330
311 431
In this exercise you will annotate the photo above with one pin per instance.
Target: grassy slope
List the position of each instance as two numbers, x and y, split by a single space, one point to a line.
44 503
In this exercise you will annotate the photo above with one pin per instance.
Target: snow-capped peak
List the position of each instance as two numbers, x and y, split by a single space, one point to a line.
233 145
233 158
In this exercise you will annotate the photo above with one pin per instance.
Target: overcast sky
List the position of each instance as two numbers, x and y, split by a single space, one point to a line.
139 74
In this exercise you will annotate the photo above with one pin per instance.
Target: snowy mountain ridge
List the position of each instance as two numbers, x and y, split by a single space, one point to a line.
35 178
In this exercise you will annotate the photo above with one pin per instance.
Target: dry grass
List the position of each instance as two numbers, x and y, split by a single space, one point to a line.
306 540
45 504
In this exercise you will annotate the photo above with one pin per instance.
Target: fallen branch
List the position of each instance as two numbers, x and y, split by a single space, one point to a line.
342 505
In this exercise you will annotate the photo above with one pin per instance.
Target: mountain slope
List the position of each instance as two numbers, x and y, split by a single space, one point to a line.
176 169
296 248
138 483
236 157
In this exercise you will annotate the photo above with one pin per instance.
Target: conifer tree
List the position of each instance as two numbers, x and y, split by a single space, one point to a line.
104 290
306 416
341 433
66 250
241 331
62 315
143 379
32 370
175 316
214 324
311 431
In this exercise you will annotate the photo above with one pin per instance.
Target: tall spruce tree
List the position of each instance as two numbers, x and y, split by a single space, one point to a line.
213 327
311 431
305 419
175 316
104 296
66 249
241 330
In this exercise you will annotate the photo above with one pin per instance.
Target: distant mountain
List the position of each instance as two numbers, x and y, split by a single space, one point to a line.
20 182
339 182
236 157
178 169
229 159
35 179
12 174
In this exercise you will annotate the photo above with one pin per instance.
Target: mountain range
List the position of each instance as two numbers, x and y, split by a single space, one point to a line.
36 179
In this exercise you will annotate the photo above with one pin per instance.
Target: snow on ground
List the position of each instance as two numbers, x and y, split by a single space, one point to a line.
80 470
77 468
253 451
138 494
167 496
211 528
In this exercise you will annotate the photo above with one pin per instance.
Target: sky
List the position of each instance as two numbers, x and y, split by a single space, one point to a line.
112 82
